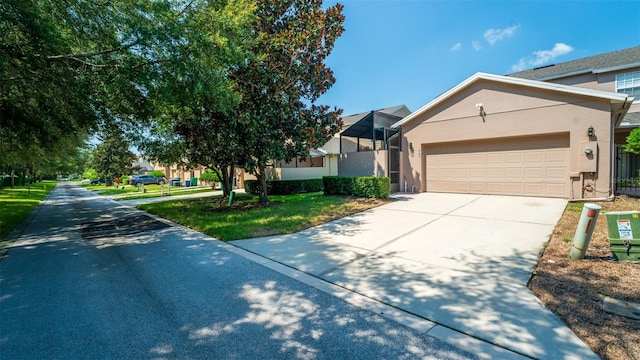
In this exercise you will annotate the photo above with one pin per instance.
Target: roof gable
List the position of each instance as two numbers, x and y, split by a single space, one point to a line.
623 99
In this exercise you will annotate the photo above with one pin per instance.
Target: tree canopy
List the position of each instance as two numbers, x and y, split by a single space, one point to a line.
218 83
633 142
278 115
112 157
67 67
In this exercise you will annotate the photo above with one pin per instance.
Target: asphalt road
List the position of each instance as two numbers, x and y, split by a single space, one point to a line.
89 278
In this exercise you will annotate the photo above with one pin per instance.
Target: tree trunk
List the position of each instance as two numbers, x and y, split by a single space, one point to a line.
226 181
262 178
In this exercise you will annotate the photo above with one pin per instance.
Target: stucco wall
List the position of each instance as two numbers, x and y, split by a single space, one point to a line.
364 163
513 111
605 81
330 168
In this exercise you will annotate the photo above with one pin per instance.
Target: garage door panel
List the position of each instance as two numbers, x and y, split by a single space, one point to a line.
532 156
461 186
495 173
514 172
476 187
512 157
532 166
495 158
555 172
556 190
556 156
535 173
461 160
478 159
461 173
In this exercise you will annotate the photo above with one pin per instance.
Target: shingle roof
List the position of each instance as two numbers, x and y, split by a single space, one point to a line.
589 64
631 120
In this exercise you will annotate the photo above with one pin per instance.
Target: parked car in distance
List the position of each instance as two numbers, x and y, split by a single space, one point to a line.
147 180
100 181
176 181
132 178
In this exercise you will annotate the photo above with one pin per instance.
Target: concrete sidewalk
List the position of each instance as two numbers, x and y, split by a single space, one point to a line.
461 262
196 195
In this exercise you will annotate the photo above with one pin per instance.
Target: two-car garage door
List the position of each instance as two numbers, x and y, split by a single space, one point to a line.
529 166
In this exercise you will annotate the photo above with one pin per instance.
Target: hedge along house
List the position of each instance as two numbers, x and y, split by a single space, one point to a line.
495 134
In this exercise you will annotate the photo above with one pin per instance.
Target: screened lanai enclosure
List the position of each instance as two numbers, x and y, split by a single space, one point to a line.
371 147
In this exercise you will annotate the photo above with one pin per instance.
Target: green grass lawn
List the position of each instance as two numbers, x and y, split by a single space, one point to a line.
17 202
247 219
130 192
158 192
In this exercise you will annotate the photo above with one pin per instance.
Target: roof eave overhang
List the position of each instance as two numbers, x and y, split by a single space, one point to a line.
622 111
613 97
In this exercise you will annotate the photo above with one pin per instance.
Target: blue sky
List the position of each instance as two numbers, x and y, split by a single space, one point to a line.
409 52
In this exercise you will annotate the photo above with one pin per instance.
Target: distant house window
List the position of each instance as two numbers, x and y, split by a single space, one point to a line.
629 84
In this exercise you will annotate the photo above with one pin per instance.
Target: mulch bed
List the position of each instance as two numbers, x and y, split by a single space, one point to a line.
575 289
222 205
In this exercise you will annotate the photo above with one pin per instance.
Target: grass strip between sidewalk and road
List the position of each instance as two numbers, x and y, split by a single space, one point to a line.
130 192
247 219
17 202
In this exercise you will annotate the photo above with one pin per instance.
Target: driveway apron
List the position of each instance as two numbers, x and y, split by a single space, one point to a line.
462 261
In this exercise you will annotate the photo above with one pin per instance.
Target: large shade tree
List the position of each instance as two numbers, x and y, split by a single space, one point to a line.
112 157
67 67
194 93
278 118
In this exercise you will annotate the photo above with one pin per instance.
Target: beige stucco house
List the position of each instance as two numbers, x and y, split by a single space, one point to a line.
360 148
554 131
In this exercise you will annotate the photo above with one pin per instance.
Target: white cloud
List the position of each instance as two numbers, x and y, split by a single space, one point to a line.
456 47
542 57
476 45
519 66
494 35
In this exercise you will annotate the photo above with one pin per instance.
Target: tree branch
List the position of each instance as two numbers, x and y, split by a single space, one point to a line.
185 8
90 54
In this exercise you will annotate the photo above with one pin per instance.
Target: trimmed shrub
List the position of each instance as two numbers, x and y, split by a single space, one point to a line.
209 177
157 173
360 186
284 187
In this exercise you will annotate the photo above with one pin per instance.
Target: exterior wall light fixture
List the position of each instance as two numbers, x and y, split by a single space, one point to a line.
590 131
480 109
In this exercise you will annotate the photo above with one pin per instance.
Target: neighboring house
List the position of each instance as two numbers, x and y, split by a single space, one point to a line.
360 148
557 136
174 172
141 166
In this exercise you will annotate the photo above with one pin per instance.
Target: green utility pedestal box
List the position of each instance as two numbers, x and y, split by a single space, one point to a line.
624 234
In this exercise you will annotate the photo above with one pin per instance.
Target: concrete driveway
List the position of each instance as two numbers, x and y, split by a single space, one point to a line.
460 261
